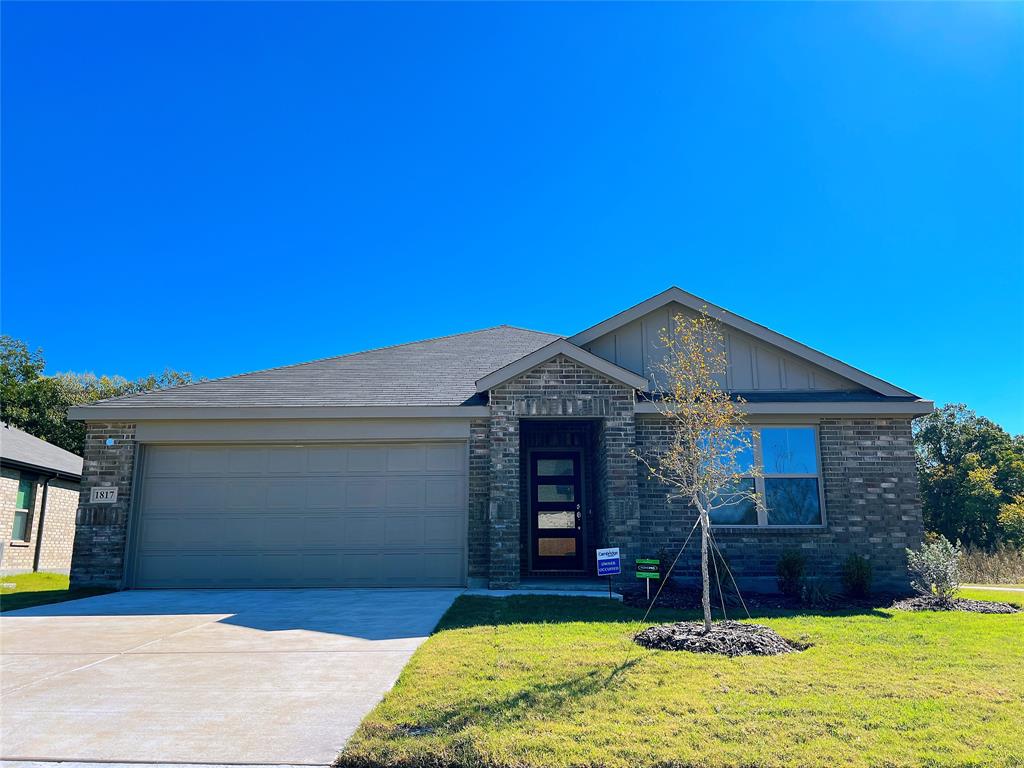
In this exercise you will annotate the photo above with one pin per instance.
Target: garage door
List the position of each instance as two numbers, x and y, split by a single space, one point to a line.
346 514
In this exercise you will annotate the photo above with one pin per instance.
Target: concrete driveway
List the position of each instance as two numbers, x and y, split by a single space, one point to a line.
204 676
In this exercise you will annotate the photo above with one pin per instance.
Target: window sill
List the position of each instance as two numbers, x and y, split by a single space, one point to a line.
20 543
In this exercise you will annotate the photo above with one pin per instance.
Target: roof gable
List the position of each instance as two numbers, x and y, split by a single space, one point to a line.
780 356
549 352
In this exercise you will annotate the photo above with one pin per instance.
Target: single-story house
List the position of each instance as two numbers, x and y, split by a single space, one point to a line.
485 458
39 488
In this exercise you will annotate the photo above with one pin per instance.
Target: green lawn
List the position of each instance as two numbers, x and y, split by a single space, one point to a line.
38 589
548 681
1001 596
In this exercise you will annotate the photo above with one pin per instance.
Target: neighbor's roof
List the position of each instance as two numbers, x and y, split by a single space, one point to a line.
436 372
21 448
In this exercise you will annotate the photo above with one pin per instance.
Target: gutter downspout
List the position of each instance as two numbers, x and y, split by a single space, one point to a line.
39 528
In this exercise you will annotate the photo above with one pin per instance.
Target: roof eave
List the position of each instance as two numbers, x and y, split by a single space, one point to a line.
62 474
230 413
889 409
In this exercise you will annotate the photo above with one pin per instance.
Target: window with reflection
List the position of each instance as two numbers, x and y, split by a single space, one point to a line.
789 483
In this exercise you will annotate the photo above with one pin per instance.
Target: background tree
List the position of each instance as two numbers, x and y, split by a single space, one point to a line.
38 404
703 462
972 477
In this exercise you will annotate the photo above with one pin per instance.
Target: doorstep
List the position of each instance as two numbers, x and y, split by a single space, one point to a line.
551 587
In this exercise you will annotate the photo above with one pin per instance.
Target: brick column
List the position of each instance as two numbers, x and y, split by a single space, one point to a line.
479 500
504 516
101 530
618 478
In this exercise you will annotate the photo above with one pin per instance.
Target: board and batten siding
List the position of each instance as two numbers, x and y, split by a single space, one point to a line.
753 365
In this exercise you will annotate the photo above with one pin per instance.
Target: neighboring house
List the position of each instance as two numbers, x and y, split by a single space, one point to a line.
485 458
39 486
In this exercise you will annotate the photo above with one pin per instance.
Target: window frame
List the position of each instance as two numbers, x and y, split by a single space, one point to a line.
28 511
762 511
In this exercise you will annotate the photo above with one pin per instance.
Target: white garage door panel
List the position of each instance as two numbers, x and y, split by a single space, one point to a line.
322 515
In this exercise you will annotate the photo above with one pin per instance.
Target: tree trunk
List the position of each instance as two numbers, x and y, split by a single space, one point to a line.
706 594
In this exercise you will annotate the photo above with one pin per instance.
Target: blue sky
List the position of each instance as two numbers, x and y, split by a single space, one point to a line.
227 187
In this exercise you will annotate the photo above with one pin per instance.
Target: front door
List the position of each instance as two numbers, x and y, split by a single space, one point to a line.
556 505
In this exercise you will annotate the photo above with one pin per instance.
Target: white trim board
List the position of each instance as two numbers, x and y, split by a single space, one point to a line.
552 350
732 320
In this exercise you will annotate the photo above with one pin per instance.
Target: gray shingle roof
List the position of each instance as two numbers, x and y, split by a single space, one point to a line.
21 447
439 371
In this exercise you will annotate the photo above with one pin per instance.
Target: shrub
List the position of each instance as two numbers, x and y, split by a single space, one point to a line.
935 568
815 594
789 572
856 576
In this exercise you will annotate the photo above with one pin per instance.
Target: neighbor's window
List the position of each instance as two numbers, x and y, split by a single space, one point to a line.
790 484
23 509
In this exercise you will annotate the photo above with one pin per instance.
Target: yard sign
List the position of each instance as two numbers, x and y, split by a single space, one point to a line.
608 562
648 568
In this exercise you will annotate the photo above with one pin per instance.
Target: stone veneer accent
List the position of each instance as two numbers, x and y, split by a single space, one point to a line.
872 508
58 526
560 388
102 529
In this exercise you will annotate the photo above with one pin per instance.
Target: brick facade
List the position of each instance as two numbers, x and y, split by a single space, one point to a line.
560 388
58 524
102 529
872 503
872 508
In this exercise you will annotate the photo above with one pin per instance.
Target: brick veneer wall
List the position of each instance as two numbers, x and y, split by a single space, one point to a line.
479 496
872 508
564 389
58 526
102 529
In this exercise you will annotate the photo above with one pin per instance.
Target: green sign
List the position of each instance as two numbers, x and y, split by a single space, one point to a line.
646 568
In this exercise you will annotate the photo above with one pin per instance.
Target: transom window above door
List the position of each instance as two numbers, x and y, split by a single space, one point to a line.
789 485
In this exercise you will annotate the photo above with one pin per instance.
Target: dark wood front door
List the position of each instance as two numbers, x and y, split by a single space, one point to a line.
556 509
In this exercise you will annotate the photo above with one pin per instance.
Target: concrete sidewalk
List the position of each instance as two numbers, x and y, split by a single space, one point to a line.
204 676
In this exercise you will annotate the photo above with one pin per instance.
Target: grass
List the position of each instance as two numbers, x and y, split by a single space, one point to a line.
973 592
997 586
527 682
29 589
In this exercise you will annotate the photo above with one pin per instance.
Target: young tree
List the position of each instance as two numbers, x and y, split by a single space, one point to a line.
707 461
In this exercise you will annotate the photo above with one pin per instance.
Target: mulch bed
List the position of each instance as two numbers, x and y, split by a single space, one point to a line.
956 604
727 638
687 598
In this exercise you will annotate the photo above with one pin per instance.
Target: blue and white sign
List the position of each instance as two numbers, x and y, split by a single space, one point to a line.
608 562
